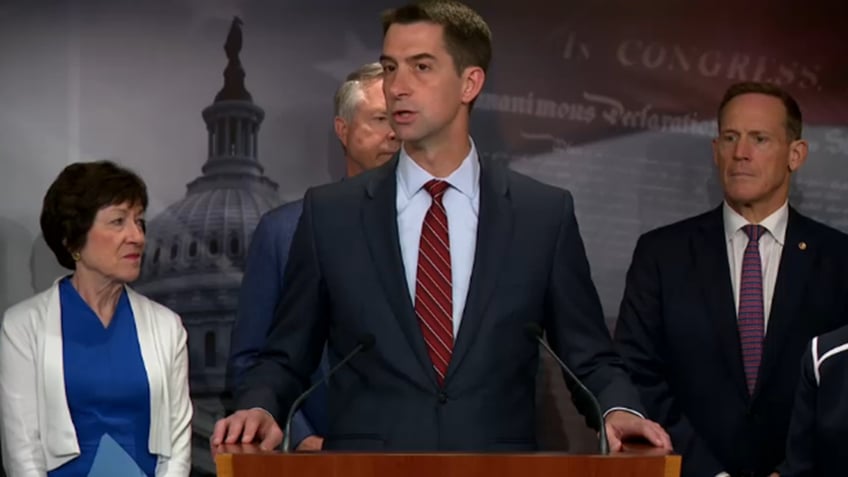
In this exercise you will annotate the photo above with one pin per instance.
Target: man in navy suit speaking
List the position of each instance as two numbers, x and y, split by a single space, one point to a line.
442 262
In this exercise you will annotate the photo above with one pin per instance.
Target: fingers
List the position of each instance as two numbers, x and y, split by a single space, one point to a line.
251 425
245 427
623 426
273 435
215 448
219 432
665 439
311 444
656 435
235 427
614 438
648 430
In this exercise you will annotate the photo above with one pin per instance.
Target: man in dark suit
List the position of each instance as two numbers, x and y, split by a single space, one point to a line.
445 261
362 127
718 308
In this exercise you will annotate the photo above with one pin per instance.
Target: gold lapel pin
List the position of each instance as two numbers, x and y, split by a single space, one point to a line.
802 245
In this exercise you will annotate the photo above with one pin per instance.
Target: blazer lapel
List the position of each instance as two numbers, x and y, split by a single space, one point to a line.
795 266
379 216
61 440
151 346
710 254
494 233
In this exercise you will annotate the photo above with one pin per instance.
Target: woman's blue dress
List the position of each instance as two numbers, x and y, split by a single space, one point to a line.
106 384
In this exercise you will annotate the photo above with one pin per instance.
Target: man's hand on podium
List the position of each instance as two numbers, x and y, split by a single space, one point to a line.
245 427
623 425
310 444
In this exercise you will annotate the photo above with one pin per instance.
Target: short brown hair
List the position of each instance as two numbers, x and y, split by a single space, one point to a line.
467 36
793 111
73 199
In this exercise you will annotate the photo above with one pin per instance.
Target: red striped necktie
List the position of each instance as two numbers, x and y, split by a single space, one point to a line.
433 283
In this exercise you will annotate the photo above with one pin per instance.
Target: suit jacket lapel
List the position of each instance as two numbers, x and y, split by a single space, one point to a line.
494 233
379 216
710 255
795 265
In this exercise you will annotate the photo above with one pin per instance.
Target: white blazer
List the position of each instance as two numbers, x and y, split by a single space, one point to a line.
37 431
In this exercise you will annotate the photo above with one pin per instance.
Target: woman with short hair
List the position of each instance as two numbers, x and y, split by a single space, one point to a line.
93 375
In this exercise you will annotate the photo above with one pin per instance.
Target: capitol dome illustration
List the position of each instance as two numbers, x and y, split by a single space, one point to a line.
197 246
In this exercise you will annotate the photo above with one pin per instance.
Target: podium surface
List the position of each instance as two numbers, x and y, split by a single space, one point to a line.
635 461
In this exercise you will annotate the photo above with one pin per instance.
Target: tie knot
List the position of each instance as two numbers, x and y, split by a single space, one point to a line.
754 232
436 188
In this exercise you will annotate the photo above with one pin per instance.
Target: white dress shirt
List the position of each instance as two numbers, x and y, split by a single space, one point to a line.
771 248
462 204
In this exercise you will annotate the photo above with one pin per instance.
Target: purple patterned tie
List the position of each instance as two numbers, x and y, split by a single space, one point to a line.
751 321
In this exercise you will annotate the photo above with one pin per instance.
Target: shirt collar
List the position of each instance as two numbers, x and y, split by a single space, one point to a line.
465 179
774 223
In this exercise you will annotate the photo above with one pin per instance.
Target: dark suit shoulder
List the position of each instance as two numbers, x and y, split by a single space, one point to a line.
277 226
682 229
518 182
546 204
531 198
286 213
351 187
824 234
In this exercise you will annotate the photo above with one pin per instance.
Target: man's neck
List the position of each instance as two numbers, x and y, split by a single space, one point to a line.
755 213
439 161
353 168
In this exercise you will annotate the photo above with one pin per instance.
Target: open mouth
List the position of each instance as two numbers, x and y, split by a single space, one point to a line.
403 116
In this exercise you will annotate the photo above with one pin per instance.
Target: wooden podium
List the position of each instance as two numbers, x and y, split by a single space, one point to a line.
637 461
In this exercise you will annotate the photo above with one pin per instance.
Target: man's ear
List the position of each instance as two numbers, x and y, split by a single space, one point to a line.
715 150
798 150
340 126
472 83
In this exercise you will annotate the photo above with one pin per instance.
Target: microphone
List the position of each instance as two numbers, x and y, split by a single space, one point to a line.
364 343
534 332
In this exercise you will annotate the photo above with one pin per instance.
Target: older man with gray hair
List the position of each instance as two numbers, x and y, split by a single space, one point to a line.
362 126
361 123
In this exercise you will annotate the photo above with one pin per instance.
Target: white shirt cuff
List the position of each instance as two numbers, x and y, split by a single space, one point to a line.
722 474
625 409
